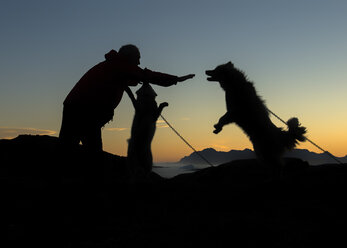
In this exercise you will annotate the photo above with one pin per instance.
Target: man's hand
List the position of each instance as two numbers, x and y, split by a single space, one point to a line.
184 78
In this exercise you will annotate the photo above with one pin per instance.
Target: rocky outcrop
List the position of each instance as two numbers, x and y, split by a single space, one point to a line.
71 198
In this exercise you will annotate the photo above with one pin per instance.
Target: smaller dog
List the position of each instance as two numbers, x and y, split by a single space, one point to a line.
248 111
142 131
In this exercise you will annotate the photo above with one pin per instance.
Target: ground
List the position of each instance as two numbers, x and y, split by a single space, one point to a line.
54 197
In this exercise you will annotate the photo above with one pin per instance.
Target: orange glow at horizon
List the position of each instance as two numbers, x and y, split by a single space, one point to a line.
168 147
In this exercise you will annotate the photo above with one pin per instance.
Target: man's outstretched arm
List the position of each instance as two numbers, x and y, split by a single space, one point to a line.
164 79
186 77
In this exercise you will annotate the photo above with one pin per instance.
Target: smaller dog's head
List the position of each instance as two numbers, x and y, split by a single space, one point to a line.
220 73
146 91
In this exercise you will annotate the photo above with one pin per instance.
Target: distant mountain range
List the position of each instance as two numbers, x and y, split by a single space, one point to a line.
218 157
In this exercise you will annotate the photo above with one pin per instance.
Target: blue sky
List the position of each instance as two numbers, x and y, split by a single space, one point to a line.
294 51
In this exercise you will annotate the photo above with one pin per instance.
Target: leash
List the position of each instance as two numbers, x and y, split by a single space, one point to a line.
313 143
187 143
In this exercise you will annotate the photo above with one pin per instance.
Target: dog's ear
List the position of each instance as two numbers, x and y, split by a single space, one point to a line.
230 64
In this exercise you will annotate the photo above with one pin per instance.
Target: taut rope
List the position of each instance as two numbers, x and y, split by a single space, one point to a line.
179 135
320 148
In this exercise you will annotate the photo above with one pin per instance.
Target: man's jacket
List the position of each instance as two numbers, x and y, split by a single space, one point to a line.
101 88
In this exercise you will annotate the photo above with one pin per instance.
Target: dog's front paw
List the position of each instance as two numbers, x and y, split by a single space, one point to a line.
217 129
164 104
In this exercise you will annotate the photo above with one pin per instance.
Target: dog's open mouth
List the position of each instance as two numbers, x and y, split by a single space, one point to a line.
210 77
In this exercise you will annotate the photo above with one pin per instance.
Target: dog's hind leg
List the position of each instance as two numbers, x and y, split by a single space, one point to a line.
276 168
272 162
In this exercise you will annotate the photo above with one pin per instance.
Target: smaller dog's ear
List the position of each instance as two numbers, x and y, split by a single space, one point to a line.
230 64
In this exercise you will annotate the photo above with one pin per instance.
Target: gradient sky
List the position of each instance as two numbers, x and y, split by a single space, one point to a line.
295 52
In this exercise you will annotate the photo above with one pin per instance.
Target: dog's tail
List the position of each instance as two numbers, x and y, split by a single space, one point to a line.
295 133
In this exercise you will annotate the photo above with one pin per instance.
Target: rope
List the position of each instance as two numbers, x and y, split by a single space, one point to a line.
179 135
320 148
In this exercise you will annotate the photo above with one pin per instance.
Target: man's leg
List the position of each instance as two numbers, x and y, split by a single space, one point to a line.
69 133
91 138
92 146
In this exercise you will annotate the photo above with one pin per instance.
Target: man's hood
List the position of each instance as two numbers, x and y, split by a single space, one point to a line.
111 55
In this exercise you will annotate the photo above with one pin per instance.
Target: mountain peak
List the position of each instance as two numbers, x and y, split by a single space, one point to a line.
210 149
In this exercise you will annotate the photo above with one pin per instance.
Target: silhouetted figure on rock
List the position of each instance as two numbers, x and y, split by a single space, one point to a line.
91 102
147 112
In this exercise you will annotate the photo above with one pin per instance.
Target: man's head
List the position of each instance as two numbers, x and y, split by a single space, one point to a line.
131 53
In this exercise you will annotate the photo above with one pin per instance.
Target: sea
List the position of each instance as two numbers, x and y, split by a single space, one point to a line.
169 170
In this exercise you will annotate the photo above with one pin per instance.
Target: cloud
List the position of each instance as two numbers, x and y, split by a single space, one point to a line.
12 132
220 147
116 129
161 124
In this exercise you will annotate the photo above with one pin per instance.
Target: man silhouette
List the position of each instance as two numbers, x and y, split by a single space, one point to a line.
91 102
